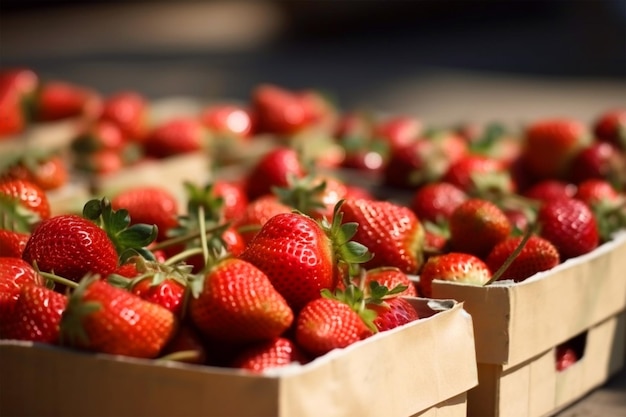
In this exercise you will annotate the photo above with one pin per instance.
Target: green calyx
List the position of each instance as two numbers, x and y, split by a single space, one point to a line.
348 252
302 193
129 240
14 216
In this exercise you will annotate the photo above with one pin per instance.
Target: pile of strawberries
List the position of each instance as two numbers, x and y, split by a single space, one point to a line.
303 253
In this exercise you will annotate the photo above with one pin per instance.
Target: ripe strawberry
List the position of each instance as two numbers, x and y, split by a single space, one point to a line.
453 266
27 195
569 224
302 257
281 111
12 243
71 246
177 136
549 189
46 169
538 254
390 277
129 111
399 130
476 226
435 202
264 355
600 160
103 318
393 312
228 120
13 119
610 127
97 135
258 212
479 175
36 315
550 146
273 170
233 196
606 203
101 162
566 356
150 205
237 303
595 191
391 232
325 324
14 274
58 100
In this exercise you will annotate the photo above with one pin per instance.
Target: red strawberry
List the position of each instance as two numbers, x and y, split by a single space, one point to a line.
13 119
476 226
233 195
435 202
479 175
270 354
566 356
36 315
229 120
569 224
607 204
390 277
610 127
549 189
281 111
57 100
46 169
176 136
27 195
71 246
600 160
537 255
100 134
325 324
257 213
103 318
399 130
393 312
14 274
550 146
151 205
129 111
237 303
391 232
273 170
455 267
595 191
12 243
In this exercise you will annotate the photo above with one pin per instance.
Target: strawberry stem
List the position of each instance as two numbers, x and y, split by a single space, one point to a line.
509 260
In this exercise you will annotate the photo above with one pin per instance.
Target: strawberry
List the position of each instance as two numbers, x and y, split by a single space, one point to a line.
19 195
390 277
393 312
476 226
550 146
566 356
273 170
237 303
186 346
46 169
264 355
600 160
12 243
281 111
177 136
103 318
151 205
538 254
228 120
72 245
58 100
128 110
610 127
257 213
325 324
36 315
233 196
480 175
398 130
607 204
391 232
455 267
14 274
569 224
13 118
435 202
302 257
100 134
549 189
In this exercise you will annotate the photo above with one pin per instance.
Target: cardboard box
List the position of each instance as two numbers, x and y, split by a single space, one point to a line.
517 326
424 368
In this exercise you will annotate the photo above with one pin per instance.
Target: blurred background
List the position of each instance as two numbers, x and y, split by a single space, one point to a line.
444 60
